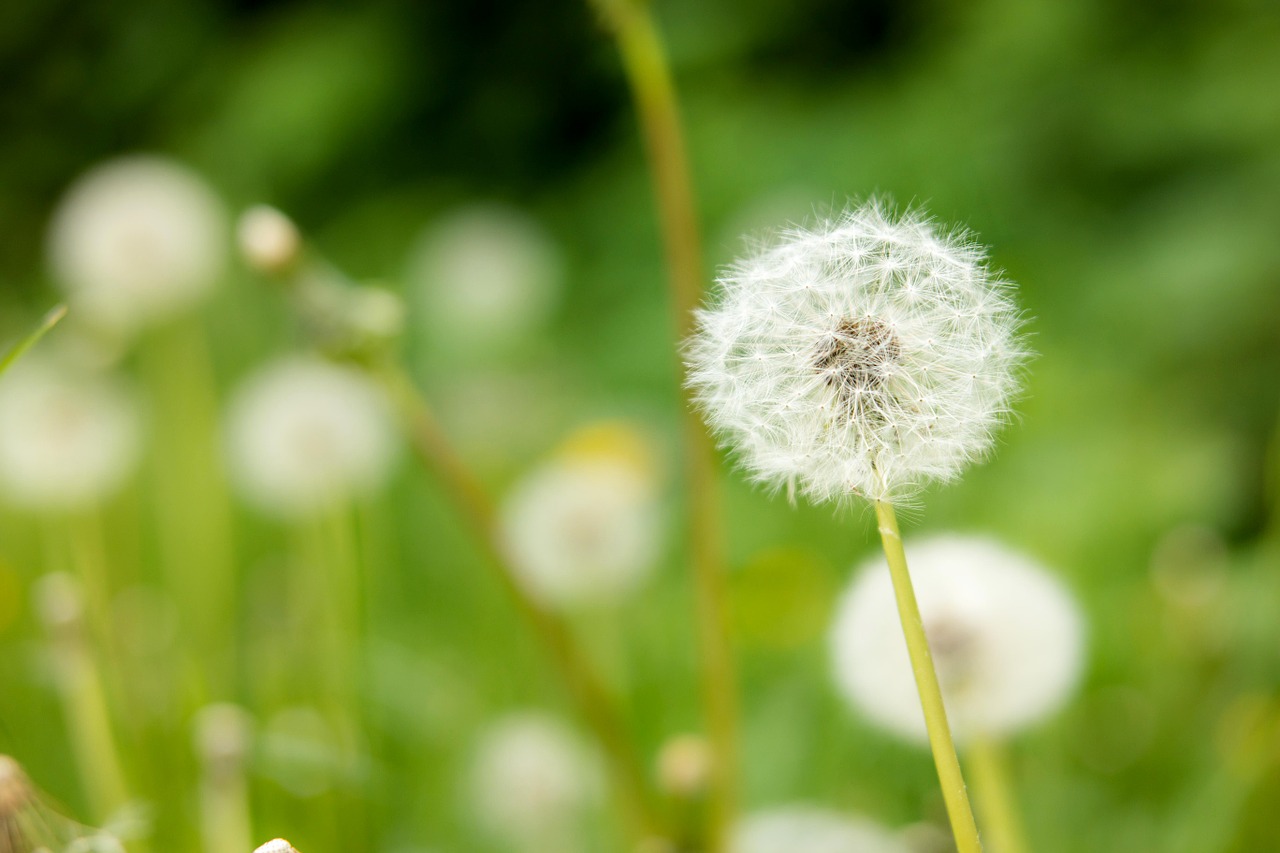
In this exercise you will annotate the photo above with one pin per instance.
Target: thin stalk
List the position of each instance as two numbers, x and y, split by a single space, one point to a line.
993 790
193 508
648 72
16 351
586 690
954 794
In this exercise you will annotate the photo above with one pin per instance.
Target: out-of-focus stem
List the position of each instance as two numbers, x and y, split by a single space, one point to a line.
193 507
993 790
592 699
222 735
83 698
648 72
954 794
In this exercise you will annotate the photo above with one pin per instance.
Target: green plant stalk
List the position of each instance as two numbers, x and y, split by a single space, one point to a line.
586 690
225 825
16 352
649 75
993 789
954 794
193 507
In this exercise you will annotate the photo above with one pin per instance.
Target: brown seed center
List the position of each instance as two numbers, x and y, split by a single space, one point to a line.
855 357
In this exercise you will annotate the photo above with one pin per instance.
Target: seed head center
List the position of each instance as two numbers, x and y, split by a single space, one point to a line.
855 358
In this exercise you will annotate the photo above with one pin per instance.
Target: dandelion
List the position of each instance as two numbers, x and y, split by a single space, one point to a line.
864 357
1007 639
808 829
269 241
487 274
532 780
276 845
136 241
585 527
685 766
222 740
66 441
304 435
28 824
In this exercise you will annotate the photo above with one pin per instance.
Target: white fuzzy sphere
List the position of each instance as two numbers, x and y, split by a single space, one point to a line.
866 356
487 274
531 778
582 530
137 240
1007 639
276 845
66 441
809 829
304 435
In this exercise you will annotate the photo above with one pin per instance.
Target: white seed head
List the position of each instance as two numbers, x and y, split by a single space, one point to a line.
532 778
866 356
304 435
66 441
809 829
276 845
59 602
269 241
1007 639
585 528
137 240
487 274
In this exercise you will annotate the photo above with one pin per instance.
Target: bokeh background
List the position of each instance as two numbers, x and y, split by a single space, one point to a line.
1123 161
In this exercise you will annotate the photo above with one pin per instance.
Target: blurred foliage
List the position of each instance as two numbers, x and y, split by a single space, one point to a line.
1122 158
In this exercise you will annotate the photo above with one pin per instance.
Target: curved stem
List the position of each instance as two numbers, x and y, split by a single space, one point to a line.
954 794
593 700
989 761
648 73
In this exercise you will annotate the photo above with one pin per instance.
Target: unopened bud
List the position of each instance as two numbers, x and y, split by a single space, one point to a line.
684 766
269 240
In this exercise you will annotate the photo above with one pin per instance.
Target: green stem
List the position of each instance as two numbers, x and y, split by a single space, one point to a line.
954 794
993 790
586 690
645 63
17 350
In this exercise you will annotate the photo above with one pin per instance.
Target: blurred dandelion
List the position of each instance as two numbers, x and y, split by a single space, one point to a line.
67 441
585 528
1007 639
533 782
809 829
30 824
268 239
137 240
486 274
866 356
304 435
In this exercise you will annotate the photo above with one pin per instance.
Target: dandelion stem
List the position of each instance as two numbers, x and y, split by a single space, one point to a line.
990 764
648 72
587 691
954 794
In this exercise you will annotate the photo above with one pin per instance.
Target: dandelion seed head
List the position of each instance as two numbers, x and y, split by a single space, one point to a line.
304 435
276 845
1007 639
222 733
809 829
531 778
15 789
66 440
487 274
866 356
137 240
585 527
